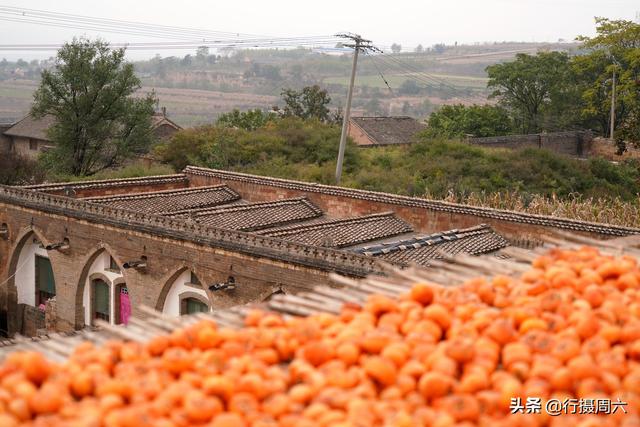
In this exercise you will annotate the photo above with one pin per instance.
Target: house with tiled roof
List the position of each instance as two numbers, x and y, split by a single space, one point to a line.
380 131
29 135
73 254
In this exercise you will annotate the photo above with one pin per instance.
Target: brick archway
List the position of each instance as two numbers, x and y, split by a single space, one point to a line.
11 325
87 263
170 281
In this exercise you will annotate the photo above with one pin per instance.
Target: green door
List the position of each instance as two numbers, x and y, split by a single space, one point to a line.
45 283
101 298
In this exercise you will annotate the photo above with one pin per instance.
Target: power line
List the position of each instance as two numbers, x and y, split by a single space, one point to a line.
373 60
425 78
189 36
74 19
429 77
284 42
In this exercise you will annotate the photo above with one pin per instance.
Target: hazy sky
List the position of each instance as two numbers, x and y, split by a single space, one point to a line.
406 22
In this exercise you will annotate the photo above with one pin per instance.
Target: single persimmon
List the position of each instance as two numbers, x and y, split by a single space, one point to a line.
434 385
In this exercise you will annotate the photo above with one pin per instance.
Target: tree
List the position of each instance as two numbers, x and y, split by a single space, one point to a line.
247 120
615 48
187 60
202 52
409 87
17 169
99 122
396 48
419 49
374 107
309 103
439 48
526 86
457 121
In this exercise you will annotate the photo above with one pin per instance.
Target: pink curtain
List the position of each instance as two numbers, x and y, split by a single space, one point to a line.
125 306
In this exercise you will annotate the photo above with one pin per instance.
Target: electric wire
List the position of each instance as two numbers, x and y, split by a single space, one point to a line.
428 78
373 60
73 18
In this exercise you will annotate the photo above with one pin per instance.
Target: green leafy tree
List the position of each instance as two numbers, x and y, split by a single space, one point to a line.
457 121
439 48
396 48
309 103
530 84
277 149
202 52
247 120
374 107
99 122
409 87
615 48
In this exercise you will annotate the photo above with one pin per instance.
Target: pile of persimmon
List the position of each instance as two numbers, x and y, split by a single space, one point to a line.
438 356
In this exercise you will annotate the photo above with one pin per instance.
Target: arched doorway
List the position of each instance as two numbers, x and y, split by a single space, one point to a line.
185 295
104 293
33 274
100 301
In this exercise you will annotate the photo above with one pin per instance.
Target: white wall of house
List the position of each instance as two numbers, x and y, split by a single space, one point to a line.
100 265
180 285
25 278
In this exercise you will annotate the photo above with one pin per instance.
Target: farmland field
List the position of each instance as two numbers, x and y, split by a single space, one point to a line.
396 80
187 107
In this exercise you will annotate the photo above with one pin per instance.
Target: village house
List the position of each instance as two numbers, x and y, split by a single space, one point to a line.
205 239
29 135
379 131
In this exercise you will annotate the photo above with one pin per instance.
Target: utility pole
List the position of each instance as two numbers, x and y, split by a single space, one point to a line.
613 105
359 44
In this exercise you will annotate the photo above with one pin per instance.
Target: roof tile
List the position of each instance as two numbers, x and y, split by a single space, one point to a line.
170 201
339 233
389 130
256 216
475 241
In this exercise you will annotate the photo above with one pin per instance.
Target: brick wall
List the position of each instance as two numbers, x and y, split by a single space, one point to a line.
259 266
5 141
359 136
574 144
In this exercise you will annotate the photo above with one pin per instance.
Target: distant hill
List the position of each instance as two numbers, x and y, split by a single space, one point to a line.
196 89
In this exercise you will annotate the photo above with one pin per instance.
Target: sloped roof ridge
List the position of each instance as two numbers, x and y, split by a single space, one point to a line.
436 205
174 191
98 183
255 205
419 241
340 221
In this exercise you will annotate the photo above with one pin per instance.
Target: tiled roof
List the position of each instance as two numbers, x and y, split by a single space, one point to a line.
161 119
30 127
475 240
416 202
343 232
256 216
169 201
389 130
